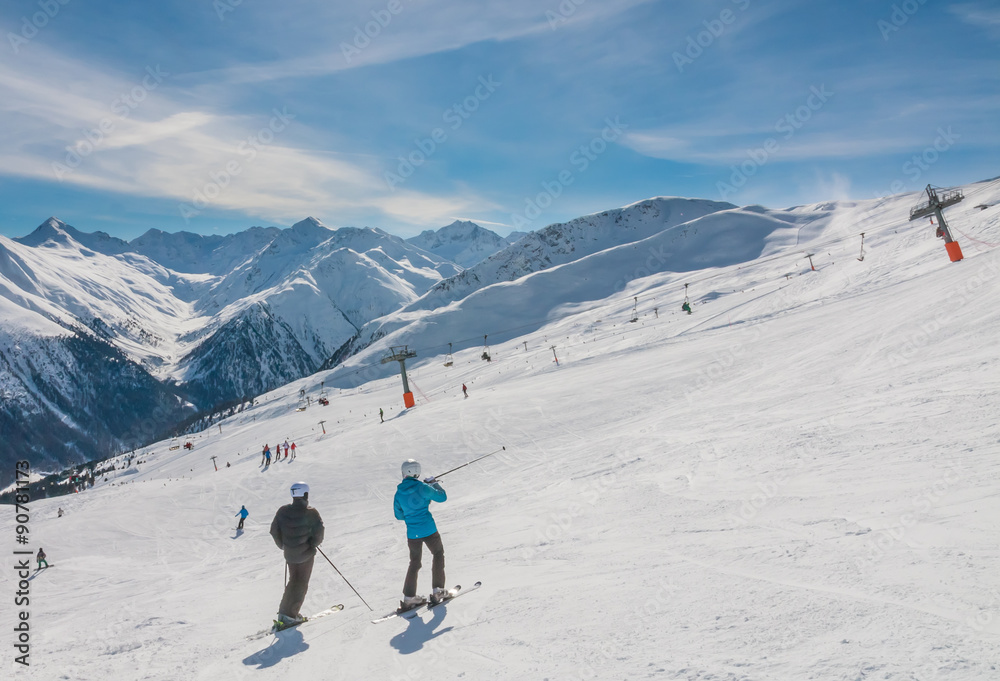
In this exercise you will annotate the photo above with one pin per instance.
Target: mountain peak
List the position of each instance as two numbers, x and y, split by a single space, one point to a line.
463 242
462 224
57 231
52 229
309 225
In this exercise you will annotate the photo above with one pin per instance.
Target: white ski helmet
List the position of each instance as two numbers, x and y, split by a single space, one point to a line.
299 489
411 469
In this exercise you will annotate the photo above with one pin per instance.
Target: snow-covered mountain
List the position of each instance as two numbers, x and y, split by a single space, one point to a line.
223 318
217 319
557 270
462 242
565 242
67 394
800 480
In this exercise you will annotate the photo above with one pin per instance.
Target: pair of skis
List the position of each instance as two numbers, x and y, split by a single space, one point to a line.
453 593
410 613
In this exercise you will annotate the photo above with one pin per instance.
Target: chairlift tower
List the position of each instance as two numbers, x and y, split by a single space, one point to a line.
401 353
933 206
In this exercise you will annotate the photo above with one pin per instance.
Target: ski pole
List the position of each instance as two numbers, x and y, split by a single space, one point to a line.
344 578
502 449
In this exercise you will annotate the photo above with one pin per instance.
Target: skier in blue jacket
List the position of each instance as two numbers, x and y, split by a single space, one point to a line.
242 513
411 503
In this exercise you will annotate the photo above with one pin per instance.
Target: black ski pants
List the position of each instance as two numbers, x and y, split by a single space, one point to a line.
416 547
295 590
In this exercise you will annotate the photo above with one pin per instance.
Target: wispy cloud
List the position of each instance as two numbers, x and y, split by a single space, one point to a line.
434 27
78 131
715 146
982 15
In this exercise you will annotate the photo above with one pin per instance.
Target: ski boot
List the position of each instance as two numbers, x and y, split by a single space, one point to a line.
286 621
410 602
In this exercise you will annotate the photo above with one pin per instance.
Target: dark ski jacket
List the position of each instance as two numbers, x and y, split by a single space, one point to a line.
411 503
297 530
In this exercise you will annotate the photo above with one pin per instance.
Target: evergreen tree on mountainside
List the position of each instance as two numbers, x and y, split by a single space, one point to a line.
113 403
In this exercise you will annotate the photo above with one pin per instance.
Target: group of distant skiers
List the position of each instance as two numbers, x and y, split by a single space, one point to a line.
265 454
298 531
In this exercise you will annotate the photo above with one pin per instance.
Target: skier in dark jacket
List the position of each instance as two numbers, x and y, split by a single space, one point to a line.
411 504
297 530
41 558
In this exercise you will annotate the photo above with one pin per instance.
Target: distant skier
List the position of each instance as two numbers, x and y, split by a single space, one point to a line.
263 454
41 558
267 457
686 307
411 503
465 391
286 449
297 530
60 513
242 513
293 450
381 415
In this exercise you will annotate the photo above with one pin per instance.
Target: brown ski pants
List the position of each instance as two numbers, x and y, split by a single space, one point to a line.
295 590
416 547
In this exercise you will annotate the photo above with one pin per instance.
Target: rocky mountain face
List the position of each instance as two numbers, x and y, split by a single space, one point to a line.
75 397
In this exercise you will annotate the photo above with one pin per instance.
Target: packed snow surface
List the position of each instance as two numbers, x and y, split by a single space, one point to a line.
800 480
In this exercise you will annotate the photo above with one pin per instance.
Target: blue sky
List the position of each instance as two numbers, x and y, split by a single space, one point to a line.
211 117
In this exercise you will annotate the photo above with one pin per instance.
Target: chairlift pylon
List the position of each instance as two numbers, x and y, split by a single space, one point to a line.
449 360
486 349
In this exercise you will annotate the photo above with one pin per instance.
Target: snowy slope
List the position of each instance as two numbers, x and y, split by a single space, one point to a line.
800 480
564 242
462 242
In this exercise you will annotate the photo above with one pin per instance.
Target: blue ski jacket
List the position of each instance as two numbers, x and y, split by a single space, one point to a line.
243 513
411 504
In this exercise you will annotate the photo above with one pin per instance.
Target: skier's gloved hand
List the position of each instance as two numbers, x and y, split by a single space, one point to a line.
431 480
